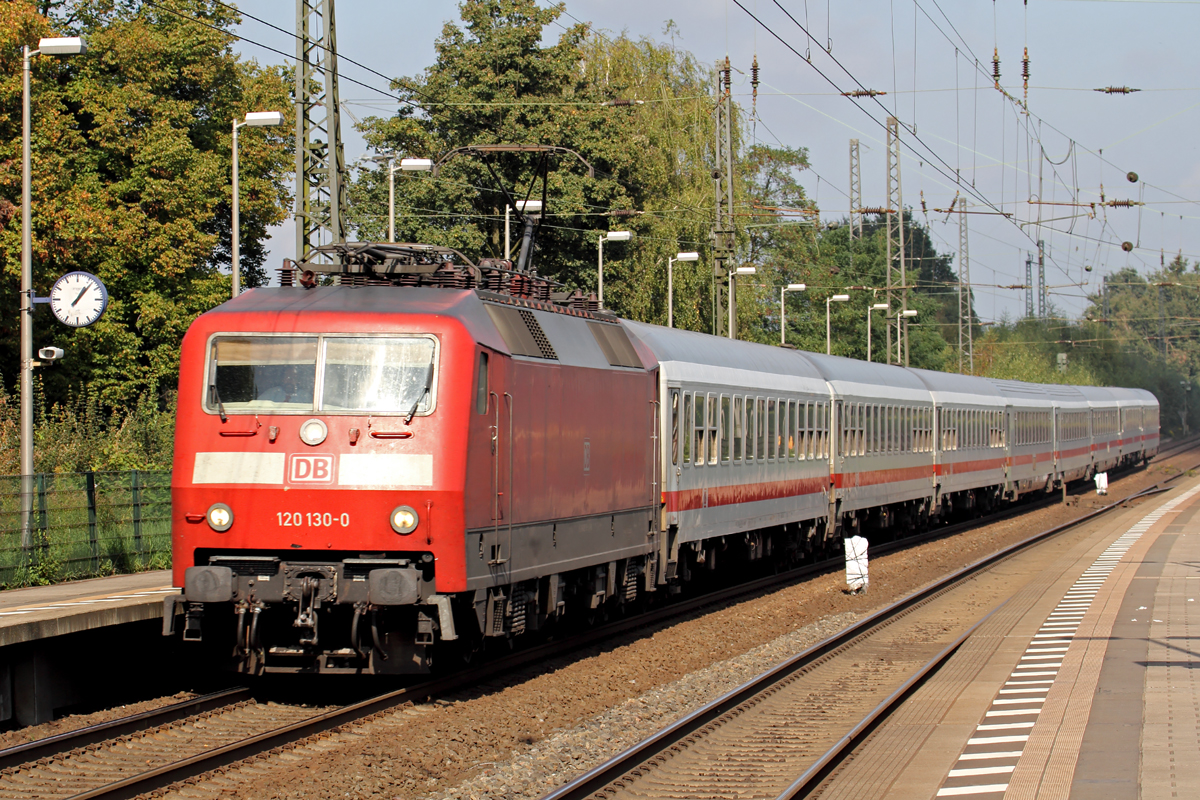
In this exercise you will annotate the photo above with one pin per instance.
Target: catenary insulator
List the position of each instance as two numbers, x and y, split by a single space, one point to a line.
754 79
1116 90
996 66
1025 66
864 93
728 79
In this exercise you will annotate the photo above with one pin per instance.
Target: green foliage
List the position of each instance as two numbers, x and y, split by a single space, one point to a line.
84 435
131 180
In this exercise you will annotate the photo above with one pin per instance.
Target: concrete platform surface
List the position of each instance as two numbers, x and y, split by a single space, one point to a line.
1085 685
40 612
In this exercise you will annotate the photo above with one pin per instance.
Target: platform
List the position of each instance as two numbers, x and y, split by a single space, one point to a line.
70 643
1085 685
39 612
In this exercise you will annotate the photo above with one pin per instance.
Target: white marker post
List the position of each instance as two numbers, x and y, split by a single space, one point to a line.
856 564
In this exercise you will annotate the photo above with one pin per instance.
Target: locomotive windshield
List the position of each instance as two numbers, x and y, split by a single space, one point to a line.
331 374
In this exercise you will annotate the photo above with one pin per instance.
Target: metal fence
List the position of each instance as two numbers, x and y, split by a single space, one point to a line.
84 525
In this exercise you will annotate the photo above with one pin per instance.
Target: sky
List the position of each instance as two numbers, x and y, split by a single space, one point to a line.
959 135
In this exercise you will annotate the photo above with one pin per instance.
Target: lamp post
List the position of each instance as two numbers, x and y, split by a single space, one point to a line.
405 165
733 298
876 307
791 287
611 236
255 119
837 298
525 207
671 283
68 46
903 316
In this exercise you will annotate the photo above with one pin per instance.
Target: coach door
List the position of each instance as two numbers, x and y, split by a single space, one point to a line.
675 430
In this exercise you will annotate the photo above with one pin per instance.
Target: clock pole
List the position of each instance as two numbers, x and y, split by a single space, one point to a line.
26 320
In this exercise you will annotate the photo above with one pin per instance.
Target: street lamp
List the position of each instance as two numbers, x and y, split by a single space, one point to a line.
671 284
525 207
733 298
791 287
68 46
405 165
255 119
611 236
902 316
876 307
837 298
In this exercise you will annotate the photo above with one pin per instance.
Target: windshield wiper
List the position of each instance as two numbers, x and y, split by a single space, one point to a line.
428 383
215 397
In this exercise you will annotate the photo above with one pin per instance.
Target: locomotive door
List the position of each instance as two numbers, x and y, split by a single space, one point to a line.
497 544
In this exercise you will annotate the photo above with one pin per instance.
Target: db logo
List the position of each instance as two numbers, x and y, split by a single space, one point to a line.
311 469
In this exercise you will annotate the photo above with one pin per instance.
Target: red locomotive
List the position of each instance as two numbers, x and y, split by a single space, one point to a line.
353 465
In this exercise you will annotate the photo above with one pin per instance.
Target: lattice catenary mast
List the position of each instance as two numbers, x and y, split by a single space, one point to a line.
856 231
320 163
1028 285
1043 303
897 285
966 341
723 230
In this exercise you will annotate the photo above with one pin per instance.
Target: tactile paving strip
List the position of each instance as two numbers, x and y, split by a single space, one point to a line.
991 754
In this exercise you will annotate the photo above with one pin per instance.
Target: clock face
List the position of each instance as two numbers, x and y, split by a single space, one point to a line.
78 299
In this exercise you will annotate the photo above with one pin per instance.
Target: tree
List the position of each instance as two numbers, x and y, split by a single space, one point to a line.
494 82
131 180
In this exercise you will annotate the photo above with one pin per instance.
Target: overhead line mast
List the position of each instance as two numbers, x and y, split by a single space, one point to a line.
897 285
856 226
320 162
723 230
966 339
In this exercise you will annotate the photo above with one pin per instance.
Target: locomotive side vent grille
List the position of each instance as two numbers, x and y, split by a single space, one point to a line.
539 336
521 331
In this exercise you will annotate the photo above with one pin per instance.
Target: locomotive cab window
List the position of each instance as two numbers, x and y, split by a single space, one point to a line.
261 373
481 385
331 374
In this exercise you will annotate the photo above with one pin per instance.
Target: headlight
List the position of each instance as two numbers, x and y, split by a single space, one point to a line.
313 432
220 517
404 520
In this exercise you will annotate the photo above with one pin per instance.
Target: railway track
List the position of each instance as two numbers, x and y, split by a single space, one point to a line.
149 751
778 734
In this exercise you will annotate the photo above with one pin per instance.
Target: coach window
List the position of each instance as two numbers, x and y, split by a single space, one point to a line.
739 425
760 447
803 433
700 430
674 426
687 429
780 429
726 432
772 429
791 429
713 429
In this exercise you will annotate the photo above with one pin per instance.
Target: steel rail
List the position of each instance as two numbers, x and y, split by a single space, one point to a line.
251 746
63 743
632 758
